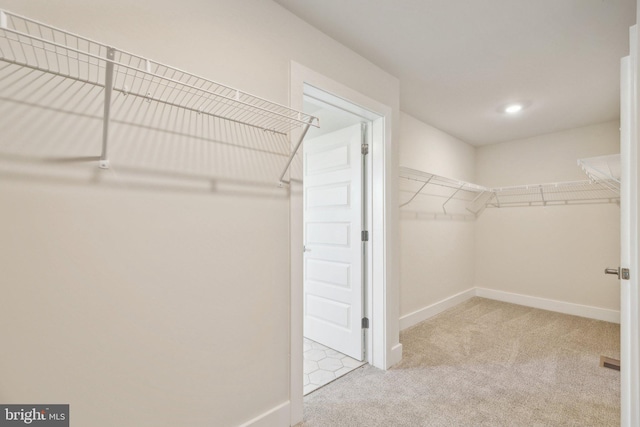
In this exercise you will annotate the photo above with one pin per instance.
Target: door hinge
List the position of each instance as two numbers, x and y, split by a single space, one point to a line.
365 236
365 323
365 149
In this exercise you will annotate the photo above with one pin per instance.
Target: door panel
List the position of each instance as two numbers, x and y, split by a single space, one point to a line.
333 248
336 195
629 253
331 234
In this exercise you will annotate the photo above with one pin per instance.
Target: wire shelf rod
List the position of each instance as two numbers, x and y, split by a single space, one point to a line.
171 104
553 203
44 70
417 175
424 193
433 181
531 187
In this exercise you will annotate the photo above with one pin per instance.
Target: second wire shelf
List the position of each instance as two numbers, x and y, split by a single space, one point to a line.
449 196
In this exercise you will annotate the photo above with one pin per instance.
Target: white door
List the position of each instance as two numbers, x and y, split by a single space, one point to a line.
333 218
629 297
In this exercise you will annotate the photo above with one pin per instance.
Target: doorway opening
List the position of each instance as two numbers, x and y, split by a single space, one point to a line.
335 240
382 337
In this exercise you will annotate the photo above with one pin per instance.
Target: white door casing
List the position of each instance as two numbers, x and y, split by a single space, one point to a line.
383 347
333 288
629 296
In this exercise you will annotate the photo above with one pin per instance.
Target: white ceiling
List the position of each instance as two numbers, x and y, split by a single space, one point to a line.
458 61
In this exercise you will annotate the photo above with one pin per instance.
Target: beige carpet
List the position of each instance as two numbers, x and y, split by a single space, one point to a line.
484 363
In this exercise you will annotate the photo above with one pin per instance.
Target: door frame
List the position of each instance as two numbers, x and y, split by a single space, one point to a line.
383 347
630 208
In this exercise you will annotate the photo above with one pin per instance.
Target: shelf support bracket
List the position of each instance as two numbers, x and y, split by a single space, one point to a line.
417 192
108 90
450 197
497 199
281 181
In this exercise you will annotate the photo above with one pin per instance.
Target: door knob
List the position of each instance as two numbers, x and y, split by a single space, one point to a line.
620 272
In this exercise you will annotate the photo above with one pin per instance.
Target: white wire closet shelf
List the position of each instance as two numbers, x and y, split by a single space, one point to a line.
604 170
45 49
603 186
448 191
555 193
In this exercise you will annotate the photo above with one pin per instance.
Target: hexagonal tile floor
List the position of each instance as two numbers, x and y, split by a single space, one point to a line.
323 365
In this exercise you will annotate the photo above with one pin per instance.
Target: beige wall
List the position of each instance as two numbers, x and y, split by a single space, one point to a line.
545 158
555 252
437 253
144 300
426 148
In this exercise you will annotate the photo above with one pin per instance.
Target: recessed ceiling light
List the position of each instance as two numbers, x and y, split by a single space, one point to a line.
513 108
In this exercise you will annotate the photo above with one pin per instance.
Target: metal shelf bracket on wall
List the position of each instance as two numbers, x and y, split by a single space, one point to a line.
281 181
108 90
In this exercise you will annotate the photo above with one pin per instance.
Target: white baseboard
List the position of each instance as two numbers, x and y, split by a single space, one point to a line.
551 305
587 311
395 356
275 417
425 313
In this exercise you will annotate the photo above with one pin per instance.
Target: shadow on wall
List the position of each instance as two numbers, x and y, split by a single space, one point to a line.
52 131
